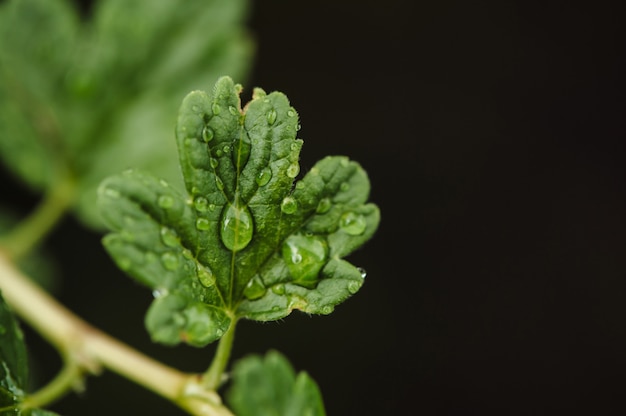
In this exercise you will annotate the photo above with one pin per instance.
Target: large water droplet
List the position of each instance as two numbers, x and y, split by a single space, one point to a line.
289 205
255 288
353 224
203 224
169 237
165 201
264 177
205 276
279 289
169 260
305 255
207 134
236 227
271 117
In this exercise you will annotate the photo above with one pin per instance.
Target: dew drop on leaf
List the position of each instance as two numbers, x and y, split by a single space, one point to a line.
216 108
232 110
323 206
353 287
169 237
264 177
305 255
255 288
362 271
289 205
213 162
219 183
207 134
113 193
165 201
201 203
203 224
169 260
344 187
205 276
353 224
279 289
236 227
291 113
293 170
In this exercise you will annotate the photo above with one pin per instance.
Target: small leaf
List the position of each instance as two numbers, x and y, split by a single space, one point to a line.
268 386
243 241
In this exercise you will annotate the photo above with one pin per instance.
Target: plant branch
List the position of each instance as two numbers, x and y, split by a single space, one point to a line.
212 379
91 349
29 232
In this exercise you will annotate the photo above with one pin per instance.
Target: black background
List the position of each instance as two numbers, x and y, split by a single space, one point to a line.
493 134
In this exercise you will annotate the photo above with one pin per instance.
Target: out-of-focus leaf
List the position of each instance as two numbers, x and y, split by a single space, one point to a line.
268 386
13 366
243 241
101 95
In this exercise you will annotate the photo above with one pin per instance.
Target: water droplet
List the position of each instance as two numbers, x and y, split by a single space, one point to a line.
201 204
327 309
291 113
226 148
293 170
213 162
279 289
323 206
205 276
215 107
169 237
264 177
187 254
353 287
236 227
219 153
203 224
289 205
113 193
207 134
271 117
255 288
232 110
298 127
344 186
353 224
305 255
211 207
165 201
362 271
169 260
159 292
219 183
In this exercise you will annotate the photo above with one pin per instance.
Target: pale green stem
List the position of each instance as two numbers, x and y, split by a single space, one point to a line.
65 381
212 379
32 230
90 349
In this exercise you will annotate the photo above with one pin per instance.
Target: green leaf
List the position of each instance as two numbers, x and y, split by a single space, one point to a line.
96 96
13 366
243 241
268 386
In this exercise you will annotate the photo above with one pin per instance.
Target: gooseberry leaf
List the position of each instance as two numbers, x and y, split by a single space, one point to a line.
243 241
87 97
269 386
13 366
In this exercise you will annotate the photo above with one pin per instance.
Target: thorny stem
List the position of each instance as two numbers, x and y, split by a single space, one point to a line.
87 349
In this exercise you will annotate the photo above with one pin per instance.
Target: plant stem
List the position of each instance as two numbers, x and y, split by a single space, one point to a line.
212 379
89 349
66 380
29 232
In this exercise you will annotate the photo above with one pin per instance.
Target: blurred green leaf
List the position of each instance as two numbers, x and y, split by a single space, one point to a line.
98 96
13 366
243 241
268 386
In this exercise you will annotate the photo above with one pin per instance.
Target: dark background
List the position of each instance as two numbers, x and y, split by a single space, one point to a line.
493 134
